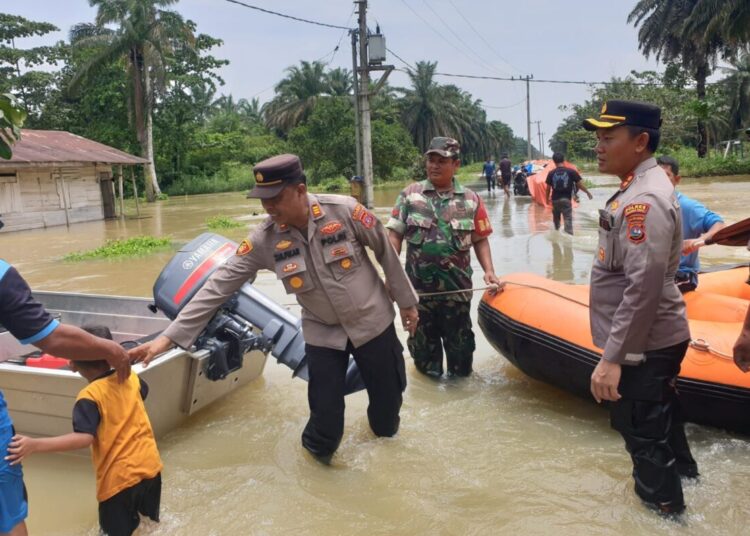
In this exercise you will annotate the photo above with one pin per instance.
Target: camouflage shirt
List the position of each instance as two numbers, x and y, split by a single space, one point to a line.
439 229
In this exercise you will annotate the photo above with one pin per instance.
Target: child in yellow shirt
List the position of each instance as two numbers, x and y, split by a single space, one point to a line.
111 418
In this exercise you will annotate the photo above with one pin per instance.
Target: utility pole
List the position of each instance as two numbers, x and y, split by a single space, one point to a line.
542 144
539 137
371 56
357 128
364 104
528 116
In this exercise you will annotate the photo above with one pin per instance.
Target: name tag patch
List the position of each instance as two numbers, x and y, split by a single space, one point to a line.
286 254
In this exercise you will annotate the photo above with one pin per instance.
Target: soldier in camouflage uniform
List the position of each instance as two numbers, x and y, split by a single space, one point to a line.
441 221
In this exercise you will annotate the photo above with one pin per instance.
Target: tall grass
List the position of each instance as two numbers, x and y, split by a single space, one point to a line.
130 247
222 222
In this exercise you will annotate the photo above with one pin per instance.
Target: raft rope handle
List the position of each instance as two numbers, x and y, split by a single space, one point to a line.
702 345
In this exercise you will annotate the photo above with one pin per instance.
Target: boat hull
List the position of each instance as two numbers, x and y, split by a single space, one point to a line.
40 401
565 364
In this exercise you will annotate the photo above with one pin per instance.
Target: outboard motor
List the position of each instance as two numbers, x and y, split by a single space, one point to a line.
248 320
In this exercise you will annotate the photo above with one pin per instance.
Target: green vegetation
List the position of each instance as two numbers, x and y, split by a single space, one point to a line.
689 37
222 222
130 247
143 79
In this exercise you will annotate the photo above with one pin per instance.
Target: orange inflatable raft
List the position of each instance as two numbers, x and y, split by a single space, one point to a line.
542 327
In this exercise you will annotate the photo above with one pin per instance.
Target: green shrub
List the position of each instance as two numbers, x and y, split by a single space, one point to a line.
130 247
714 164
222 222
231 177
334 184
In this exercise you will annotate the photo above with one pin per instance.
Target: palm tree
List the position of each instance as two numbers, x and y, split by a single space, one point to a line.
730 18
296 96
427 108
143 36
665 34
340 82
737 87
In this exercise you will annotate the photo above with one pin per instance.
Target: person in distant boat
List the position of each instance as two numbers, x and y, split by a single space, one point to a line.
316 244
109 417
505 168
637 313
489 173
441 222
28 321
698 223
562 183
742 346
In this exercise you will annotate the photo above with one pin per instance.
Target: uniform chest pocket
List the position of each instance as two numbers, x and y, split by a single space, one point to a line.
293 273
341 259
462 229
417 228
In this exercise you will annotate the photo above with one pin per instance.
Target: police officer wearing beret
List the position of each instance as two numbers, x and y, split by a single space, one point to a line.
28 321
637 312
315 244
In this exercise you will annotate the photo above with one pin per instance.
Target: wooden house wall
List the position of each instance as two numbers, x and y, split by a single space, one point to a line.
37 197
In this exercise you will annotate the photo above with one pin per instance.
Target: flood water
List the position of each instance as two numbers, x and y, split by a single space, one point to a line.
497 453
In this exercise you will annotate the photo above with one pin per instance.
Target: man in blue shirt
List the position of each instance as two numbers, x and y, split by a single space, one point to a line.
30 323
489 173
698 223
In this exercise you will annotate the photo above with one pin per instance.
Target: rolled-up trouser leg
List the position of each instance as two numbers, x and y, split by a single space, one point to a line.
645 418
567 212
325 395
381 363
426 346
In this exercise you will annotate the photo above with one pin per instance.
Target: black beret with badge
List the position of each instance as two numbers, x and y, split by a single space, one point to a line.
273 174
616 113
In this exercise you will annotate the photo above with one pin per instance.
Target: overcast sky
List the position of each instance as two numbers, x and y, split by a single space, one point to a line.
550 39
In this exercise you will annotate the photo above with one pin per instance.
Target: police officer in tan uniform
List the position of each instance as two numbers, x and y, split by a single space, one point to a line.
637 312
316 246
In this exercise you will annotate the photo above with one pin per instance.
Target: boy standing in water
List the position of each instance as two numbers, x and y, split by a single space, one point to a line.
111 418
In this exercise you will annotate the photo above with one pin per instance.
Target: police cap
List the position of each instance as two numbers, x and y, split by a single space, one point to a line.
273 174
447 147
616 113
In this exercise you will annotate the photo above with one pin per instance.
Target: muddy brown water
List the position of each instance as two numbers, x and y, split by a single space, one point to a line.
497 453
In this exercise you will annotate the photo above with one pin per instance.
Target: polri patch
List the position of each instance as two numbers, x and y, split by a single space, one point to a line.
328 240
284 244
289 267
346 263
296 282
244 248
331 228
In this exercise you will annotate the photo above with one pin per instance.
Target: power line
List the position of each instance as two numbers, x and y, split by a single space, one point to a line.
503 107
298 19
459 38
477 32
436 31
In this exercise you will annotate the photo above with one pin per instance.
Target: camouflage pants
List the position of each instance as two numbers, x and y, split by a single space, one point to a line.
443 324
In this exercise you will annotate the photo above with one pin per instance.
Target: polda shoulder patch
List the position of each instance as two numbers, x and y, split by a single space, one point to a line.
244 248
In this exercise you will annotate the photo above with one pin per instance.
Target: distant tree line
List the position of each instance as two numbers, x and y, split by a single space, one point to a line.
694 39
142 79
